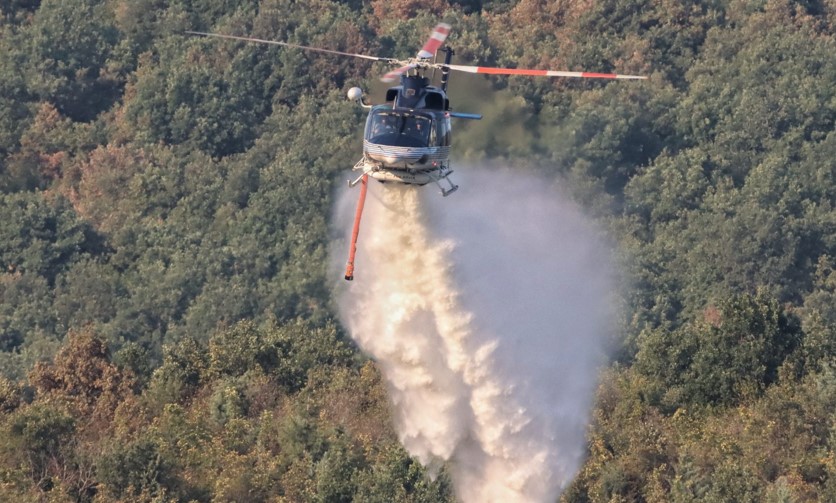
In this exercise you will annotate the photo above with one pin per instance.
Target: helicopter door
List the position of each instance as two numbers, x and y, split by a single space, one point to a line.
443 131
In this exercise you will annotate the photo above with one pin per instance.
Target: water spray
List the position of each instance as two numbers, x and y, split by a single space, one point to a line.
488 314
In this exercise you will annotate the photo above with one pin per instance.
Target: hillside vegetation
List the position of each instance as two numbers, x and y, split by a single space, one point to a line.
166 327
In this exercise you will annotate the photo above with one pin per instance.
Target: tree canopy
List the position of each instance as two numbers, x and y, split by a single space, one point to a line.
166 327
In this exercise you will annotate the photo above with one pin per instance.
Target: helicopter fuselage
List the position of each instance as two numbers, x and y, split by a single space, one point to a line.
407 140
406 145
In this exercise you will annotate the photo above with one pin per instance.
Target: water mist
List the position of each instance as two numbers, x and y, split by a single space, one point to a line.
487 312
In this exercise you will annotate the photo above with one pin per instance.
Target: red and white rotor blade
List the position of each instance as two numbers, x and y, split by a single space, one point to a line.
287 44
433 44
396 73
541 73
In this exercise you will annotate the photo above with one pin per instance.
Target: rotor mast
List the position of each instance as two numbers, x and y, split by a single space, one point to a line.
445 70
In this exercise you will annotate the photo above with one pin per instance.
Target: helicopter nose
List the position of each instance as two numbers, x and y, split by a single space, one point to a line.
393 156
401 158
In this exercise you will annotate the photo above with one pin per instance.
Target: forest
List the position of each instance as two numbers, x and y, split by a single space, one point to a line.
167 331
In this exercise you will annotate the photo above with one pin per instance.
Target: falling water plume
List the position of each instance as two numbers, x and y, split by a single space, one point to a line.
487 312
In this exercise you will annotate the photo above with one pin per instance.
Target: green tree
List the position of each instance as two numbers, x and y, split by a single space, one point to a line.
136 470
397 477
40 439
42 236
732 355
68 44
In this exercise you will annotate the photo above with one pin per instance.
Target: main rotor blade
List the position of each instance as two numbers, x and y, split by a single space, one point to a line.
541 73
397 72
438 36
288 44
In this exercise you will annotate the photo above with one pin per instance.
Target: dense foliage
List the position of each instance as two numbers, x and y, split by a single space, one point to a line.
166 331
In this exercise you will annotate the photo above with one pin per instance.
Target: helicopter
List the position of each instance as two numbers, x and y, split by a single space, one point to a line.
407 138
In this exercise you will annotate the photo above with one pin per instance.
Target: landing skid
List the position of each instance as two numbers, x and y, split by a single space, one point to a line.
445 192
352 183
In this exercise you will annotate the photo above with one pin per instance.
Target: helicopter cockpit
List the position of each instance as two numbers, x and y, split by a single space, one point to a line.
400 128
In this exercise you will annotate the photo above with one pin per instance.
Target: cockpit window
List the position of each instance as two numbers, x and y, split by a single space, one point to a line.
386 127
